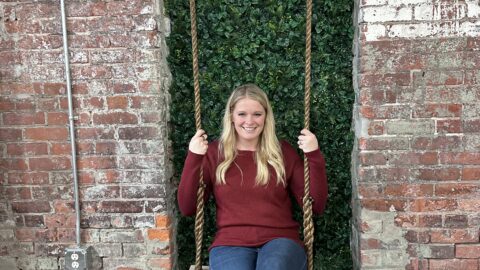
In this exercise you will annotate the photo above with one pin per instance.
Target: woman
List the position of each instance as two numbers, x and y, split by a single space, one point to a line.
251 176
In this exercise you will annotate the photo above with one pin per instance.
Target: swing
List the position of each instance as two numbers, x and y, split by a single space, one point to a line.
307 200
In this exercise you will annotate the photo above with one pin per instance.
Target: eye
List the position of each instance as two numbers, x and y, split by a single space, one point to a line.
241 114
258 114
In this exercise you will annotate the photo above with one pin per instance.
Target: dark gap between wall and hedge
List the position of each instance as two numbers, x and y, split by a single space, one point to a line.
264 42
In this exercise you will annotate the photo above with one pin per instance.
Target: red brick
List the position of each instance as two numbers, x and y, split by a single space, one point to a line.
14 88
376 128
471 126
10 58
99 192
29 42
441 251
28 178
117 102
439 174
162 221
457 189
383 144
461 158
372 158
27 149
158 234
109 176
18 193
57 118
95 133
34 221
123 88
63 206
420 237
449 126
115 118
31 207
454 264
469 204
60 221
444 78
150 117
66 234
6 104
471 173
96 163
25 234
437 110
24 118
60 149
370 191
106 148
384 204
49 164
86 148
138 133
87 9
150 191
417 264
393 174
406 220
454 236
25 105
120 207
91 72
13 164
430 221
456 221
428 205
46 235
469 251
162 263
9 134
409 158
441 142
86 178
93 40
46 134
409 190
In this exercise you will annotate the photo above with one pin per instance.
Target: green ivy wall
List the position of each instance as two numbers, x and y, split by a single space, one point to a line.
263 42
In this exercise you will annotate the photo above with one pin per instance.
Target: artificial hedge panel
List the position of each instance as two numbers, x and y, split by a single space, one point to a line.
264 42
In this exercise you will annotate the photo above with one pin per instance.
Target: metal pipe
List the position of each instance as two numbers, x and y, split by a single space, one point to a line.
71 119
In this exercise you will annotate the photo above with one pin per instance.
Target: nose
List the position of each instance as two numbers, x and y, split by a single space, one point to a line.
249 119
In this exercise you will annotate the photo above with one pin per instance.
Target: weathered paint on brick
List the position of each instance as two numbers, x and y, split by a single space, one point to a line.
120 81
415 162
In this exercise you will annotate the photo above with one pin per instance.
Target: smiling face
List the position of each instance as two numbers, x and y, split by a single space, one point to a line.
248 118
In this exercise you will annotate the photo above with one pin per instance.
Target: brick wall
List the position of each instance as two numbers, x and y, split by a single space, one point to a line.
120 82
416 161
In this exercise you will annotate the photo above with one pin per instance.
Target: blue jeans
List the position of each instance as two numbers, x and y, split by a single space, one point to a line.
278 254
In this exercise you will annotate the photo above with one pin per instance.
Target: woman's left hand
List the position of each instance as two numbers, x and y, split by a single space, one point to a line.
307 141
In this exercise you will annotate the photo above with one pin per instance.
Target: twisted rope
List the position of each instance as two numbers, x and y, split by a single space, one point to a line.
307 200
199 217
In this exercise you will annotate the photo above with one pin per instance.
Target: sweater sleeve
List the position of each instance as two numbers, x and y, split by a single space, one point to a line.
187 190
318 177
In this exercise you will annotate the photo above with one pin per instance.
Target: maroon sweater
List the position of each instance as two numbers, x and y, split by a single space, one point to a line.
249 215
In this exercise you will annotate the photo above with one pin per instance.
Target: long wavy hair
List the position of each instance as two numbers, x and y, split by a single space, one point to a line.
268 150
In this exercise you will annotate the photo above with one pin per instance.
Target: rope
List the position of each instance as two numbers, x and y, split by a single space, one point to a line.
307 200
199 217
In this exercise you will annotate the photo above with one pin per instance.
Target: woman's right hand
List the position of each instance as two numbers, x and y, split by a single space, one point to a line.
198 143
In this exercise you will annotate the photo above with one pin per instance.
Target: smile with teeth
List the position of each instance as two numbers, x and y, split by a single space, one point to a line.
249 129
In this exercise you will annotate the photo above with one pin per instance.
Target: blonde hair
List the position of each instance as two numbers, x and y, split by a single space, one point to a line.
268 150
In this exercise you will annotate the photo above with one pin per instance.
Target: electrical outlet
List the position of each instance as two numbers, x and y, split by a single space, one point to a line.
76 259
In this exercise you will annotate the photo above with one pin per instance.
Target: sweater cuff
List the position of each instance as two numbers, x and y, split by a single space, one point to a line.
194 157
315 154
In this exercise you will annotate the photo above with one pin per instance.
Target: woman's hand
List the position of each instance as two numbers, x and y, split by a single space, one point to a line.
307 141
198 143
